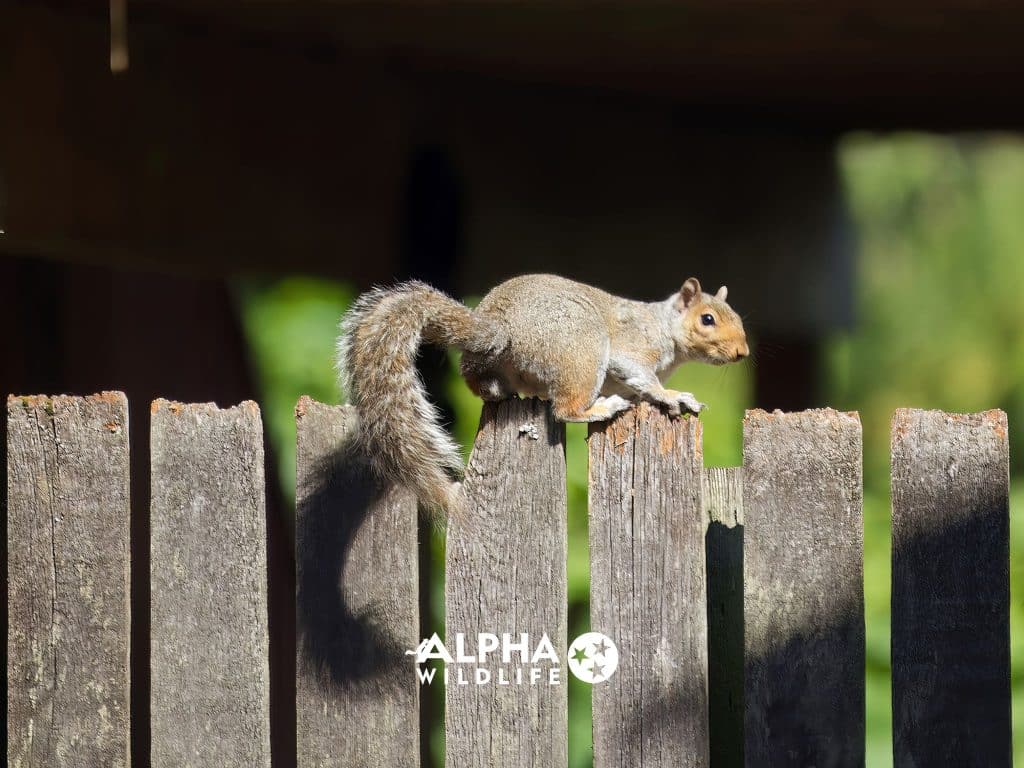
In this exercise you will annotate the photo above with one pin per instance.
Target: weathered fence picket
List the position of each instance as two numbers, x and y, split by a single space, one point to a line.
68 575
647 590
208 588
803 589
723 544
357 697
950 589
506 572
735 595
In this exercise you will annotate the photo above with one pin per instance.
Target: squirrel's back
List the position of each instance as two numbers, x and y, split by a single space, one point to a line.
555 325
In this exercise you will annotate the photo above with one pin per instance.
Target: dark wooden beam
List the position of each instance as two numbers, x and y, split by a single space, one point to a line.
840 64
210 154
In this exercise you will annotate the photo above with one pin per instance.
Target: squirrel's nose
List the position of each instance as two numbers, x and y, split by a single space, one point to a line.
742 352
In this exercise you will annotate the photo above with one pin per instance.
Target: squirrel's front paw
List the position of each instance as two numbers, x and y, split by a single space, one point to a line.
672 408
677 403
687 401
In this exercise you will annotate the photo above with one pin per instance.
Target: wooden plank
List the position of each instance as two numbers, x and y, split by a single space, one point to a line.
208 583
950 589
723 505
647 589
68 581
803 591
357 694
505 570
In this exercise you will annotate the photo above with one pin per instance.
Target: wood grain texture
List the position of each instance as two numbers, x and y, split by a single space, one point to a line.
723 543
357 694
68 581
950 589
505 572
208 577
803 590
647 590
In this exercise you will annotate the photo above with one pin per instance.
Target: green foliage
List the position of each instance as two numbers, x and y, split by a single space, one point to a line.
291 326
941 272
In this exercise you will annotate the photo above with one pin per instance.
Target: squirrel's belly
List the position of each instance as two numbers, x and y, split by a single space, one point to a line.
613 387
524 384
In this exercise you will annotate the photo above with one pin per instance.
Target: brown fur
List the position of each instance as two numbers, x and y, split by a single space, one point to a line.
587 351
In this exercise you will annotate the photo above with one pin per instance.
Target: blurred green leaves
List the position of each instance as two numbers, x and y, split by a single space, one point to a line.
291 326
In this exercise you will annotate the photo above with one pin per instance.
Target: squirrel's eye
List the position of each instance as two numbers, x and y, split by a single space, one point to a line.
707 319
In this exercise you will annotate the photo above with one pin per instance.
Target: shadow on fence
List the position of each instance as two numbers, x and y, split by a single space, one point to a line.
341 645
723 545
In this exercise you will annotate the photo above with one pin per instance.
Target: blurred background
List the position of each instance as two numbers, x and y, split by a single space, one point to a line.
192 194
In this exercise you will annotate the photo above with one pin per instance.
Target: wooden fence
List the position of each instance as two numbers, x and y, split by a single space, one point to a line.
735 596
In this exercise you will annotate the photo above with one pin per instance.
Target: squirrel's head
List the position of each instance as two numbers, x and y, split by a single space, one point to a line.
707 329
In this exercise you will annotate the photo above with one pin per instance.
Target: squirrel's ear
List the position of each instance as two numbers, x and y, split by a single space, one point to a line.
688 293
722 293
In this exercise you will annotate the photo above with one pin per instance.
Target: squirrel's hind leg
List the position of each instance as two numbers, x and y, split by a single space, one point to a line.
575 392
602 409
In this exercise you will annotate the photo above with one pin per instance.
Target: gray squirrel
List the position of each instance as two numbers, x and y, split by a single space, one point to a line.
590 353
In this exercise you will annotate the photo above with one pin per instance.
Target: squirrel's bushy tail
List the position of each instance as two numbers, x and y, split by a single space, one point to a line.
399 428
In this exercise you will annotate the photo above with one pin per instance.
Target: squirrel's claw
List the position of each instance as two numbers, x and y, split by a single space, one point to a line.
690 403
682 402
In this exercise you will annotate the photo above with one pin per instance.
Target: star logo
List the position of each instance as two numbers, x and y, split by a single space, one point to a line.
593 657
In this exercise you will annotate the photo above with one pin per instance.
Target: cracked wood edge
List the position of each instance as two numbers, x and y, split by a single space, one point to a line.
803 588
506 572
357 609
648 590
68 581
209 698
950 589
